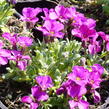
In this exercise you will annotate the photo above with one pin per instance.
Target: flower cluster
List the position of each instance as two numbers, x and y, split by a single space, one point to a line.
38 92
30 15
81 27
81 81
57 21
16 50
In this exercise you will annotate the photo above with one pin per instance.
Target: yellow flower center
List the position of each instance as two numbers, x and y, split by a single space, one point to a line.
75 99
71 18
73 21
52 32
92 81
78 78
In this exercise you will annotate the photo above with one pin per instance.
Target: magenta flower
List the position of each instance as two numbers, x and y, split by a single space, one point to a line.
78 102
11 38
63 88
29 14
84 32
97 97
94 80
37 96
97 68
4 55
94 47
15 40
80 82
21 60
79 75
29 100
44 82
78 19
76 90
105 37
47 14
52 28
91 23
71 13
25 41
58 13
71 88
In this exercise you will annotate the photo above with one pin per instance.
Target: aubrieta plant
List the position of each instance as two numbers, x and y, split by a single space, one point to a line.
39 92
79 82
16 50
51 62
58 21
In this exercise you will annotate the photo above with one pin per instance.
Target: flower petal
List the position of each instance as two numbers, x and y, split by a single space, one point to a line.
26 99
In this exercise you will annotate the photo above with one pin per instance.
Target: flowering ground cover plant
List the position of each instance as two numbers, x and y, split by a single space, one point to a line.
76 47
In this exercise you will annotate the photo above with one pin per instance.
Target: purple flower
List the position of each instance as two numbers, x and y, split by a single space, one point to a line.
58 13
63 88
37 96
21 60
71 88
97 68
47 14
29 14
84 32
97 97
11 38
77 102
29 100
103 36
74 90
52 28
71 12
25 41
91 23
78 19
94 80
44 82
4 55
18 40
79 75
80 82
94 47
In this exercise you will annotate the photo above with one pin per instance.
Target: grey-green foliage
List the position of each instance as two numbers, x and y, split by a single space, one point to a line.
5 12
55 59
